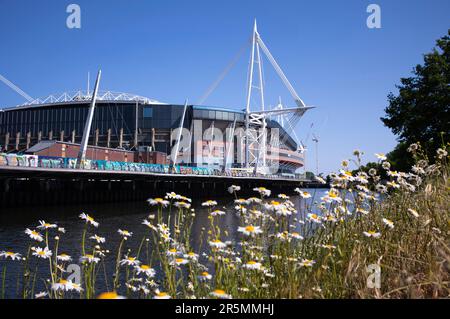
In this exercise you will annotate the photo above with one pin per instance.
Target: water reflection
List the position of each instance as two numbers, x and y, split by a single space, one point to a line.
111 217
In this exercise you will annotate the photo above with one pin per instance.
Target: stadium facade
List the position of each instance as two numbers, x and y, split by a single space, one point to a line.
124 121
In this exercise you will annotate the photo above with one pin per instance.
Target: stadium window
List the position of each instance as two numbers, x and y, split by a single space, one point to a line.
148 112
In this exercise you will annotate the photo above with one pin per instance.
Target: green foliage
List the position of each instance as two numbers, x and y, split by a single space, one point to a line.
421 110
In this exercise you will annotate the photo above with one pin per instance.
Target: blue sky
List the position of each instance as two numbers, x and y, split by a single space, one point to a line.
172 50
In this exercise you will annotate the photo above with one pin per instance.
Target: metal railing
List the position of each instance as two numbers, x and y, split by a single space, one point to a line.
48 162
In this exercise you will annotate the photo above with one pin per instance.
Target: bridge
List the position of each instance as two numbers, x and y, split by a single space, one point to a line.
22 186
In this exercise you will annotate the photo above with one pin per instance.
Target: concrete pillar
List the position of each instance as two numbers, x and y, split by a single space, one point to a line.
121 137
96 137
6 141
50 135
28 140
73 136
17 140
108 139
39 136
61 136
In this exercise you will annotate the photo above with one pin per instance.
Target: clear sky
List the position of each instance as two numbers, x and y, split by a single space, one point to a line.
171 50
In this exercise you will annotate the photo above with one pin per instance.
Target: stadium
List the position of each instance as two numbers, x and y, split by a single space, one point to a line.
135 123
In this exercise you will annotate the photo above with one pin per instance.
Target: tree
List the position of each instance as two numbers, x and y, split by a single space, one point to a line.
421 110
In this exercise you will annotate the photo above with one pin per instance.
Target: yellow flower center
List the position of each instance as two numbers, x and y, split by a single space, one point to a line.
145 267
332 194
275 203
108 295
250 229
219 292
162 294
251 262
205 274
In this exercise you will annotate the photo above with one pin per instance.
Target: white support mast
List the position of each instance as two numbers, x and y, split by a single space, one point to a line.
249 95
175 158
256 121
87 127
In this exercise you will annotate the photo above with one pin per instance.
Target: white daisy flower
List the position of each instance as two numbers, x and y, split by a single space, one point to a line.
63 257
182 205
41 295
216 243
179 261
372 233
44 225
205 276
381 156
255 200
89 259
253 265
88 219
250 230
10 254
296 235
388 223
209 203
217 213
125 233
66 285
191 256
110 295
34 235
158 201
307 263
262 191
241 201
145 269
98 239
161 295
41 253
234 188
221 294
130 261
314 218
172 252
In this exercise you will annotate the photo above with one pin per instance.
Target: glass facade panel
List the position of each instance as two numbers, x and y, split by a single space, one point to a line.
148 112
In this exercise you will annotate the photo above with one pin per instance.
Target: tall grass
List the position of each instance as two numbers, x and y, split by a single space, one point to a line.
366 238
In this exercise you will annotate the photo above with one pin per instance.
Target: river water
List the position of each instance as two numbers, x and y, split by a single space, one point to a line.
111 216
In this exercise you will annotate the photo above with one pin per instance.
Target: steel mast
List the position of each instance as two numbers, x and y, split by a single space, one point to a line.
87 127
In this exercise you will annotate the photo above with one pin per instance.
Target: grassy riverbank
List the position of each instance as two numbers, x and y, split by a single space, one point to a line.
366 238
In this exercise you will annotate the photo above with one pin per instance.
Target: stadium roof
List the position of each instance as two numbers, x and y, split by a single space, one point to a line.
85 97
